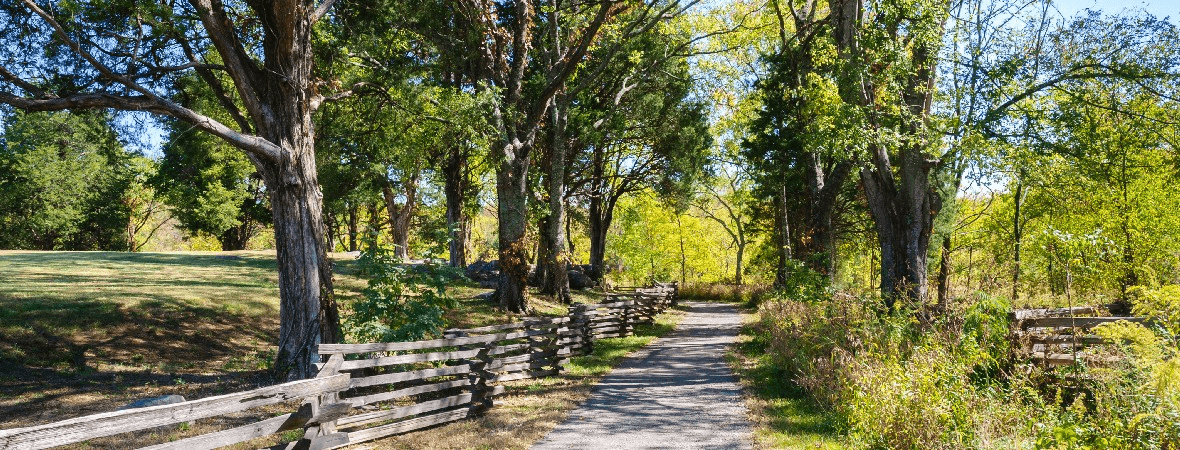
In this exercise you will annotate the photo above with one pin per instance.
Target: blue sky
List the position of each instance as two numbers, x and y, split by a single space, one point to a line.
1158 8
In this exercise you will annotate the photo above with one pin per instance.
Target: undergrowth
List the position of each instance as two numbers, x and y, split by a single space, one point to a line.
920 379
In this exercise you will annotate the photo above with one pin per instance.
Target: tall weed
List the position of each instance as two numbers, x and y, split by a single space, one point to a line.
900 383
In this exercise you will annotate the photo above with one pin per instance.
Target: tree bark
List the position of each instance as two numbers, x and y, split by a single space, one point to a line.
236 237
818 246
454 190
512 217
944 274
741 250
1017 237
556 281
783 235
308 311
401 216
352 226
904 217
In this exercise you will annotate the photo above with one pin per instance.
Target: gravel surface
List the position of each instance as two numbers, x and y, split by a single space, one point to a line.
676 393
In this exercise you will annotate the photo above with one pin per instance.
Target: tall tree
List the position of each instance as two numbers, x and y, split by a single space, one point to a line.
119 56
64 183
796 144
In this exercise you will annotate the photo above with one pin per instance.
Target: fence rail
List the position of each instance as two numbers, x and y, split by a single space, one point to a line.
1061 336
368 391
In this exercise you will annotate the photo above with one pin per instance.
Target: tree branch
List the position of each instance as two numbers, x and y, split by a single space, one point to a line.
249 143
240 66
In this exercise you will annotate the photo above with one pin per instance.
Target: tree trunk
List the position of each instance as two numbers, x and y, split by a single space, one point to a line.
601 215
902 204
541 276
783 233
944 274
307 308
597 229
556 279
741 250
512 216
818 245
454 190
401 216
683 256
352 226
1017 232
904 218
236 237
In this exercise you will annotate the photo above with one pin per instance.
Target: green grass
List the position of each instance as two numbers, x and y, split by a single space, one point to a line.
609 352
73 311
785 417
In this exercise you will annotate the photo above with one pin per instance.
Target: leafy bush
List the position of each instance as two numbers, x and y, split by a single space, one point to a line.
1135 398
985 329
401 302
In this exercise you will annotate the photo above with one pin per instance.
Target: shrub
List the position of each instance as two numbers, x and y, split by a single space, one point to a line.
898 383
401 302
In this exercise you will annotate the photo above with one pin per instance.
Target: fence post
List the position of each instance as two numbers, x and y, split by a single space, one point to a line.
625 325
581 320
552 344
480 375
324 410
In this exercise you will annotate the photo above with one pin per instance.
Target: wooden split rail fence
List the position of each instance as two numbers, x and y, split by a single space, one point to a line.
369 391
1061 336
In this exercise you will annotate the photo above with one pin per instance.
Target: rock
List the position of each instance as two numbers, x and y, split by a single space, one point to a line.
157 401
483 272
154 401
579 280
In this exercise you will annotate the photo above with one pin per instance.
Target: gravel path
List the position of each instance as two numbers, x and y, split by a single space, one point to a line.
676 393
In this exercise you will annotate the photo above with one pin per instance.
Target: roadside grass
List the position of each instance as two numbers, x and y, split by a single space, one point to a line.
782 414
530 409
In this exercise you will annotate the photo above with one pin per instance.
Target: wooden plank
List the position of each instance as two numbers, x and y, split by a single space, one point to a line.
532 365
240 434
332 367
1061 359
539 356
390 378
532 322
1079 322
383 396
406 411
98 425
1065 339
407 359
1025 314
407 425
421 345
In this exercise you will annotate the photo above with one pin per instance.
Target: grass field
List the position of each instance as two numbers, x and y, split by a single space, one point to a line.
87 332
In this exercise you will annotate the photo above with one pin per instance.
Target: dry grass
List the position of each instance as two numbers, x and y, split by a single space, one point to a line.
782 415
749 293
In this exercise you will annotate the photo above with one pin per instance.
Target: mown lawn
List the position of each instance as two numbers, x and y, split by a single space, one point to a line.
87 332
